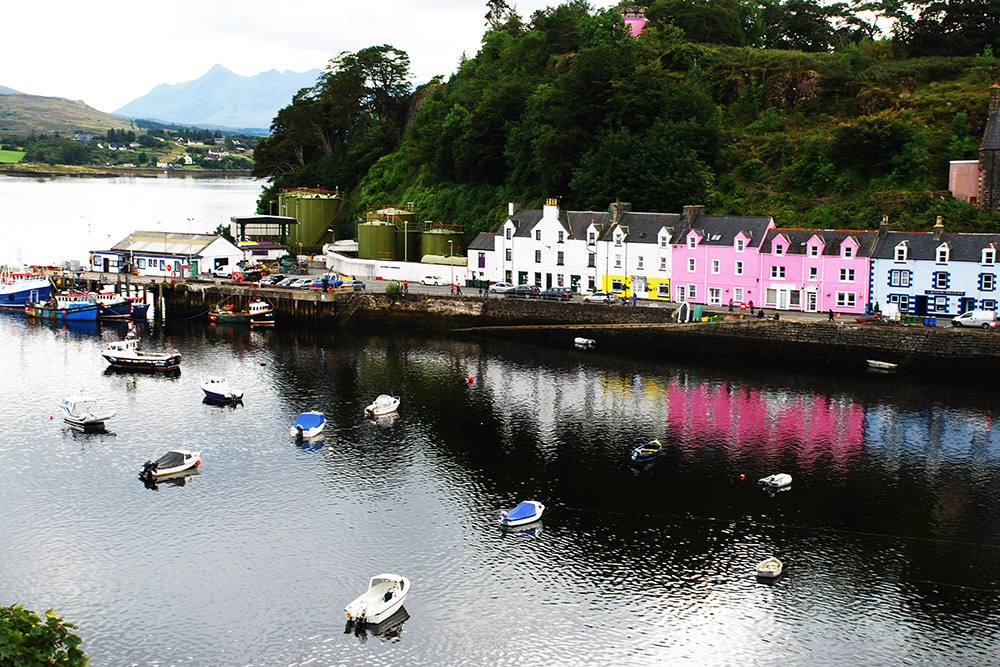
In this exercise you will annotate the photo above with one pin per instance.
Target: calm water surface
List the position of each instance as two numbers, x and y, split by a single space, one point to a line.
888 533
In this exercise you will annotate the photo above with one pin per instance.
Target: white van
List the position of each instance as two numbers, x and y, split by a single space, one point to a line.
984 319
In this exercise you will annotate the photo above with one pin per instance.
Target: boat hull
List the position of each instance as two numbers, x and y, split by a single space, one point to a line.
527 512
147 362
241 317
384 598
84 313
18 296
118 311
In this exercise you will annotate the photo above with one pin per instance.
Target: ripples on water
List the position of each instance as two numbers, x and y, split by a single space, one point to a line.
887 533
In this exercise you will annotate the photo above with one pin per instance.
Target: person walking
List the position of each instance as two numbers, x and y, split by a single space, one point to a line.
751 307
730 305
830 315
453 290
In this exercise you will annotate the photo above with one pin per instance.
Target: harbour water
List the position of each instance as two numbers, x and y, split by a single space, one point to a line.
888 532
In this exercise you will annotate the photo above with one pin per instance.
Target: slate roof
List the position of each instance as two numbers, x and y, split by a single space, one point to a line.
923 245
483 241
991 139
722 230
174 243
525 220
833 238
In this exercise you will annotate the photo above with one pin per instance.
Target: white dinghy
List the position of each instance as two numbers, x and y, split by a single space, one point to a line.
779 481
384 597
82 411
769 568
383 405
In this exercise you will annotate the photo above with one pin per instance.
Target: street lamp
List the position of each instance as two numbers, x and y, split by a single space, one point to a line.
405 240
451 263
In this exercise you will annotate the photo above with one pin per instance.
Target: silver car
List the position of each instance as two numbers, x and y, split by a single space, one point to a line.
600 297
500 288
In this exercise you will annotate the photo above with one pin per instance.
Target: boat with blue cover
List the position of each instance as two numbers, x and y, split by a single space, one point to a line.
308 425
70 306
646 453
18 289
526 512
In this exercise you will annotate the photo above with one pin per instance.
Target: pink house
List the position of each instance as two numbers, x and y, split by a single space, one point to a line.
816 270
716 258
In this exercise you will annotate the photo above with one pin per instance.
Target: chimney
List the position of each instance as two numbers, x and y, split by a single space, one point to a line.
512 208
939 228
618 211
994 98
883 228
691 214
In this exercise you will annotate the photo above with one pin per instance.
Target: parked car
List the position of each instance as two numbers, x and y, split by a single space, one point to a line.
600 297
250 276
500 288
301 282
332 281
356 285
985 319
273 279
433 280
524 292
557 294
287 282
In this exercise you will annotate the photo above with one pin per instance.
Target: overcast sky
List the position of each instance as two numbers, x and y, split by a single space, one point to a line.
109 52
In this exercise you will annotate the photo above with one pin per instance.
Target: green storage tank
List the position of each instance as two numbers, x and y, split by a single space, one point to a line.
377 240
408 243
436 242
316 213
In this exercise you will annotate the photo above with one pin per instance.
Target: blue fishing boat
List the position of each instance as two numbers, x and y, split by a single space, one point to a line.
139 307
112 306
73 306
646 453
18 289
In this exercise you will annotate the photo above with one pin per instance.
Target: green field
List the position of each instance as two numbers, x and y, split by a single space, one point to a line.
11 157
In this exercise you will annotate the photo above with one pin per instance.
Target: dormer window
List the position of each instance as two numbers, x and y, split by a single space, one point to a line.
538 235
779 250
814 251
989 255
618 240
509 230
848 252
692 242
902 251
942 254
741 245
663 241
591 237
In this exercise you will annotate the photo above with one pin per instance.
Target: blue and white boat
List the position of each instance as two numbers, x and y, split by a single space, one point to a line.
217 389
139 307
18 289
526 512
308 425
72 306
646 453
112 306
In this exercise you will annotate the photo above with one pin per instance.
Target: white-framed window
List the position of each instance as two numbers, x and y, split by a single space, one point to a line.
942 254
814 251
777 272
989 255
738 295
559 259
899 278
739 269
714 296
715 266
140 263
848 251
639 263
940 280
663 241
618 240
618 261
989 304
692 264
591 238
663 264
508 254
779 250
989 282
681 294
846 299
940 304
741 245
692 292
663 291
538 257
509 230
847 275
559 238
902 299
902 251
813 273
592 259
692 242
560 280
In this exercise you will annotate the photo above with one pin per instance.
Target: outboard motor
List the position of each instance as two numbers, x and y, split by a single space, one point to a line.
147 470
298 433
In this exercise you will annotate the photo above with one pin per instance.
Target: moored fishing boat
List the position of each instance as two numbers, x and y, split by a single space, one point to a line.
217 389
71 306
125 354
139 307
112 306
18 289
257 313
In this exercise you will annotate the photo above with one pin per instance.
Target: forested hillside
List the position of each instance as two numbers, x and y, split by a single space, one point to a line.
792 109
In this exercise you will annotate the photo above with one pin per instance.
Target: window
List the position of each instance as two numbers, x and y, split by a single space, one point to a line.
901 252
538 257
559 258
714 296
987 282
902 299
590 283
482 260
939 304
691 265
616 285
508 254
663 264
738 295
845 299
770 296
715 266
692 292
618 261
989 256
940 280
559 280
942 254
591 259
590 238
639 263
848 252
663 291
813 273
779 250
777 272
618 240
663 241
560 237
847 275
739 268
508 232
989 304
814 251
899 278
140 263
741 245
692 242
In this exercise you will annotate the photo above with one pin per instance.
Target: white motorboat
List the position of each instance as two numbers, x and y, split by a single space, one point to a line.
881 365
174 461
383 405
584 343
779 481
125 354
384 597
526 512
83 411
769 568
217 389
308 425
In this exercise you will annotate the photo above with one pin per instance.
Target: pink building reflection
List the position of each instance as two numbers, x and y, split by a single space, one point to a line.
765 424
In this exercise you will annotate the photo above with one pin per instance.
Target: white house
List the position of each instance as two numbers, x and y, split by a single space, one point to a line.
168 254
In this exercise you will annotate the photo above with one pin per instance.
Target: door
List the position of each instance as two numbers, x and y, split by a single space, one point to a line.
811 302
920 304
783 299
107 265
965 304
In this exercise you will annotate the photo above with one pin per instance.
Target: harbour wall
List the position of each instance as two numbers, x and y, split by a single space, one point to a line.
646 331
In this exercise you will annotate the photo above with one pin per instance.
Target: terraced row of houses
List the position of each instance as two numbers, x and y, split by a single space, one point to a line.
717 260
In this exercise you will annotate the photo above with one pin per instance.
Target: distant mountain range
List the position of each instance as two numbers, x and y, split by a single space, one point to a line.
222 99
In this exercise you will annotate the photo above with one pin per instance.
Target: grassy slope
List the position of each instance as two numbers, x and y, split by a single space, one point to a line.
23 114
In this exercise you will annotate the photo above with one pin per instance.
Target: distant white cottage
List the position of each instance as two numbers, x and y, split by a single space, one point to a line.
168 255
